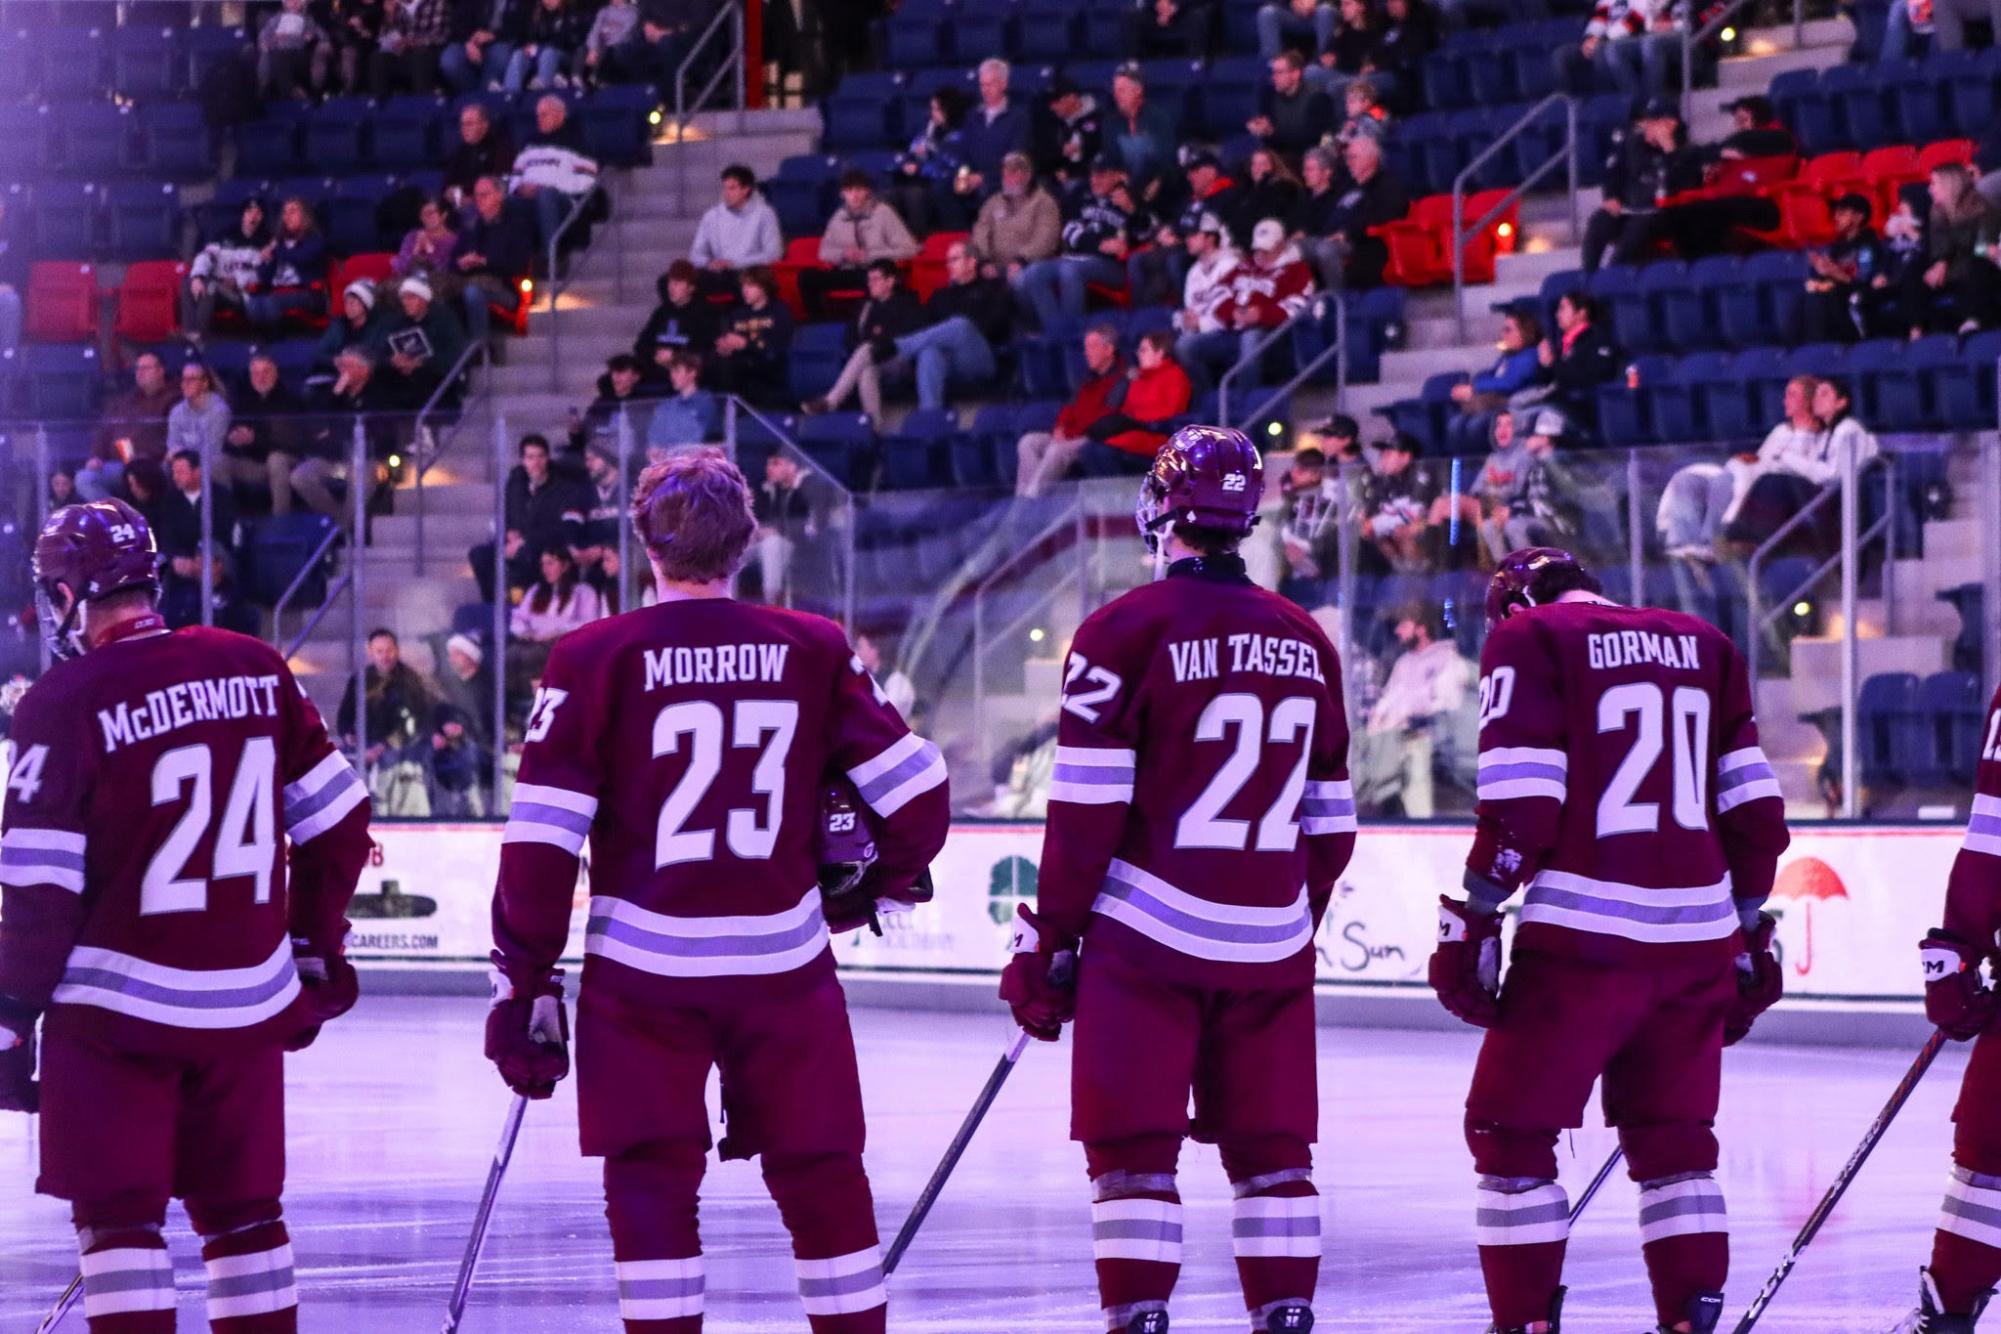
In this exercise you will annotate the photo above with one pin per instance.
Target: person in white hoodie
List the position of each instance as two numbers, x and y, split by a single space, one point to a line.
739 232
1796 465
1207 287
225 272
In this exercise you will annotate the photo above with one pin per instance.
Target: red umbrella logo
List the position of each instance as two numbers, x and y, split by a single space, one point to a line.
1807 879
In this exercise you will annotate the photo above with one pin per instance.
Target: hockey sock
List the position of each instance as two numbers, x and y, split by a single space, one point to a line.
128 1280
1522 1225
1966 1252
251 1288
1135 1226
825 1202
651 1195
1275 1223
1686 1239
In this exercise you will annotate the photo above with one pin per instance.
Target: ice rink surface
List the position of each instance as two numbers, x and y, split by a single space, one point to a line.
394 1115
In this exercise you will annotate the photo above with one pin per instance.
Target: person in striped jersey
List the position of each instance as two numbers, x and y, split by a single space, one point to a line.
1966 1249
1622 783
1199 815
156 920
688 743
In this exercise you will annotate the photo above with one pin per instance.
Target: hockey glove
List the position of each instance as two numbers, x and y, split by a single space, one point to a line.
1466 966
1955 997
528 1034
18 1090
1760 981
859 903
329 989
1039 983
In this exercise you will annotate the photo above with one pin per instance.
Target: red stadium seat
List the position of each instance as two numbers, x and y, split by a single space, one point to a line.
1945 150
801 253
62 302
927 271
149 300
373 266
1885 172
1420 243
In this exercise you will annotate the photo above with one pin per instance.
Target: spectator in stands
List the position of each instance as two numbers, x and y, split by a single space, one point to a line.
1364 113
1423 710
1157 273
1351 51
224 272
1954 287
1314 214
952 339
1647 164
1206 286
397 705
689 415
1798 468
749 356
484 36
132 426
261 447
863 230
739 231
461 728
200 421
495 251
1301 26
1292 117
359 323
1160 391
924 181
62 487
1020 224
1396 71
1703 497
1369 196
1756 130
667 32
1270 191
294 54
1841 276
428 250
889 311
414 33
1045 456
787 507
1629 46
180 585
1183 29
1950 17
623 388
544 512
1305 537
992 130
1098 234
557 603
1483 508
291 272
1396 507
1141 135
684 321
1574 364
1271 286
1551 499
1515 367
596 551
482 150
355 397
897 687
551 171
355 27
424 345
551 46
176 534
613 50
1074 133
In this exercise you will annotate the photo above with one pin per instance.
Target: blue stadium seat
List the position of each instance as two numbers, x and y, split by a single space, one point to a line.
1659 282
860 111
1927 360
270 147
406 131
1426 415
1971 93
841 443
1750 313
63 218
918 455
1886 389
142 219
1762 372
1920 97
1491 74
1820 360
1625 415
74 61
174 141
1724 400
802 193
336 135
1047 30
348 215
974 458
90 139
1599 118
919 34
1043 367
1857 95
1891 730
1616 290
1680 410
983 29
1688 311
1448 80
1954 706
818 353
1964 392
1107 26
147 63
276 550
1230 95
1797 96
618 124
295 357
210 49
60 381
24 128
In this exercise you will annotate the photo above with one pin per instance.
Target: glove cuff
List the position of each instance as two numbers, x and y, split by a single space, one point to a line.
1484 897
513 981
1034 935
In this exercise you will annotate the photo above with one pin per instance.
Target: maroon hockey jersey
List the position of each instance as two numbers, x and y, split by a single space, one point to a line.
686 743
1200 809
1621 779
1973 892
155 783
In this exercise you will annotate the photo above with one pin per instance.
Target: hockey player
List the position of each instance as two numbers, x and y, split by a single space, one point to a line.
1966 1250
1199 815
1621 782
152 922
686 742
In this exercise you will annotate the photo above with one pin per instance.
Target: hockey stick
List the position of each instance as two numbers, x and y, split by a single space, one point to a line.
953 1151
1898 1097
462 1289
1591 1191
63 1304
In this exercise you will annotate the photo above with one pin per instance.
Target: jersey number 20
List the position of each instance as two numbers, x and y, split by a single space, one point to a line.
1650 714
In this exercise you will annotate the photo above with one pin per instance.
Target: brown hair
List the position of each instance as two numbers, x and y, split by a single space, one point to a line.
692 511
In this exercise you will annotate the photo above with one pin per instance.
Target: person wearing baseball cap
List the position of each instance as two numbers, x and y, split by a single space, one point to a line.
1756 131
1072 133
1266 290
1212 263
1649 163
1101 227
1841 275
1159 272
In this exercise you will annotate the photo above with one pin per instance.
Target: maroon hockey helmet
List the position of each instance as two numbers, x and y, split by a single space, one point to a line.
1206 477
843 843
1533 577
92 551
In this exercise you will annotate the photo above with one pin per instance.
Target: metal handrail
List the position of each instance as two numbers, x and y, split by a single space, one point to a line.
460 368
1462 235
1338 348
1071 518
732 62
1828 495
1252 358
559 283
299 580
334 591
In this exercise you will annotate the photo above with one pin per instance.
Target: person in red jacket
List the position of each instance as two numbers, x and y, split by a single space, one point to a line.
1046 455
1272 287
1159 392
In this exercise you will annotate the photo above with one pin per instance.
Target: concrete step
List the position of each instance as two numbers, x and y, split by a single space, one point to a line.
1923 580
1955 540
1817 664
1780 731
